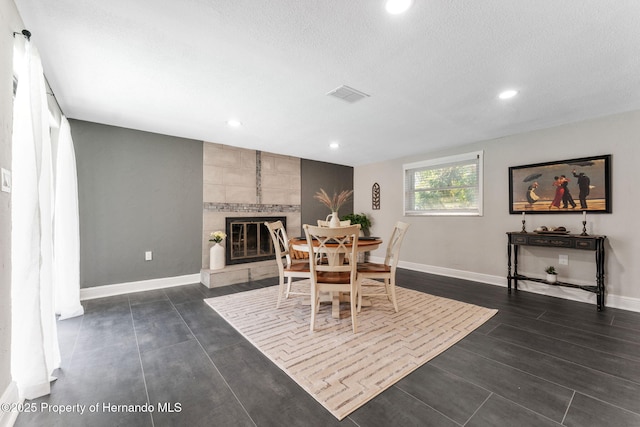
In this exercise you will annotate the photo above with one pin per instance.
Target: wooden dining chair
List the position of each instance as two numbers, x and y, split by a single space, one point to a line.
286 268
385 272
323 223
337 244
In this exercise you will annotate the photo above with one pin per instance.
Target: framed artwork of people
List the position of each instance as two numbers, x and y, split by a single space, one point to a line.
562 186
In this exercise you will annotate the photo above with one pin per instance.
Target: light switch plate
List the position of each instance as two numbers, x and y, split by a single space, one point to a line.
563 259
5 178
148 256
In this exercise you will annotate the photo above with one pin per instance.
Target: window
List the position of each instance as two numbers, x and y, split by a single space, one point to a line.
444 186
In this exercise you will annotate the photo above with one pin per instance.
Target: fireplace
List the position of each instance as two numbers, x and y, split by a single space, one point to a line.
248 239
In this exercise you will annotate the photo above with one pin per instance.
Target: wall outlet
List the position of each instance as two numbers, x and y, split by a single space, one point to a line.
563 259
148 256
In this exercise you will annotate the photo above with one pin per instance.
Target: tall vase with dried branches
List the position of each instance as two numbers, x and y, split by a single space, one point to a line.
333 203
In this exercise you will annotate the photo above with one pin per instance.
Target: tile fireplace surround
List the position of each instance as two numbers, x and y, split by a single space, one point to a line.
246 183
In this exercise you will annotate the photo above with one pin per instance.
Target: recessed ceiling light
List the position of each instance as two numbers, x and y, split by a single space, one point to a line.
396 7
234 123
508 94
334 145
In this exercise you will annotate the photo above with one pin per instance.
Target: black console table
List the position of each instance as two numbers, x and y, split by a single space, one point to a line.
563 241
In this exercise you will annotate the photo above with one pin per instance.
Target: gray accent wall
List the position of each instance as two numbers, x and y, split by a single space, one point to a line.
332 178
138 192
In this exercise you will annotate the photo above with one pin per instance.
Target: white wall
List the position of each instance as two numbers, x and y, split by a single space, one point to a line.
475 247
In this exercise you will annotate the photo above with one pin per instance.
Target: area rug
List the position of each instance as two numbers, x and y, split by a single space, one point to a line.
340 369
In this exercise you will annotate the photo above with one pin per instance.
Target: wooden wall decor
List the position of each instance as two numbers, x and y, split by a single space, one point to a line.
375 197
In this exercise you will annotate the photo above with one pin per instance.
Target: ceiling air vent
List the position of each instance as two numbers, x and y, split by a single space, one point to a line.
348 94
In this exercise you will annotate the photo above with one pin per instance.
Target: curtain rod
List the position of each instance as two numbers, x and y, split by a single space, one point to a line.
25 33
53 95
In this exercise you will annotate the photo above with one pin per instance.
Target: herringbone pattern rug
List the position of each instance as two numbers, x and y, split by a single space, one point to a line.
342 370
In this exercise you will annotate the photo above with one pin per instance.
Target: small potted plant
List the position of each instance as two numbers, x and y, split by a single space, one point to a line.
362 219
552 276
365 224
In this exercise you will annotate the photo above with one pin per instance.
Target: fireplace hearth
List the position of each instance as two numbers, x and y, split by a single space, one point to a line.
248 239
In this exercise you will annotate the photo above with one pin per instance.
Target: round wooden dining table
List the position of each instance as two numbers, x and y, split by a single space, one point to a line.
365 244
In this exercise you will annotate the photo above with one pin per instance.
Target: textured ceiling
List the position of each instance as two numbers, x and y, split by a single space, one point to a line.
183 67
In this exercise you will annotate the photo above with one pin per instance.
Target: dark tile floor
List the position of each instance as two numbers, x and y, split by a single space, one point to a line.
541 361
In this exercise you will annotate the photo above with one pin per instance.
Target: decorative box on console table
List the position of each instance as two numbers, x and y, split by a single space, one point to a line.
563 241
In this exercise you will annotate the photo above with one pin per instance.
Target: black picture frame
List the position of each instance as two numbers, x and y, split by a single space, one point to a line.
587 181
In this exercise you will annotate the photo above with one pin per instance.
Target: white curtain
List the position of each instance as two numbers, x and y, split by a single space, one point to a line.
66 228
34 348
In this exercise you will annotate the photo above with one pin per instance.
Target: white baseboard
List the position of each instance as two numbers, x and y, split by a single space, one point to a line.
143 285
458 274
615 301
624 303
11 397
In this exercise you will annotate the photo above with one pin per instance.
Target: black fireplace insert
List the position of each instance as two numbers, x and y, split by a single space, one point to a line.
248 239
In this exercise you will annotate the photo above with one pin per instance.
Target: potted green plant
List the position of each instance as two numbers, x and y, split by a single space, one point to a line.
552 276
362 219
